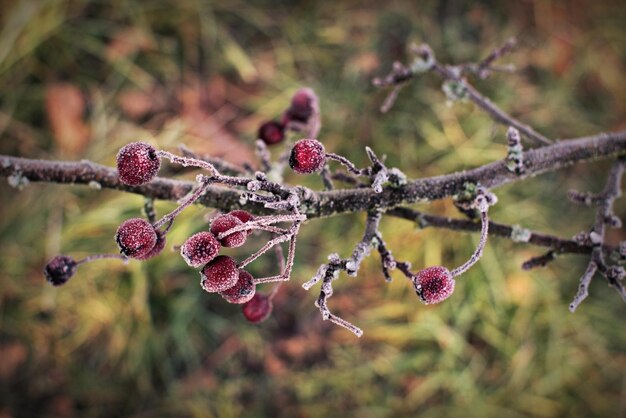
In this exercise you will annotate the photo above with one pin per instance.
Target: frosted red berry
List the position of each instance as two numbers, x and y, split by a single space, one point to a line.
224 223
157 249
302 105
434 284
136 238
137 163
219 275
272 132
307 156
242 291
258 309
243 216
60 269
200 248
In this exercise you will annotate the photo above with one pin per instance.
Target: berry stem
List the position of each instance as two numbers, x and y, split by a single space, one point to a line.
346 163
186 202
188 162
263 222
101 256
484 229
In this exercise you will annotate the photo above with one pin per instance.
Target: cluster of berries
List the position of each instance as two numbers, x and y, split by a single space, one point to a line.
301 116
137 238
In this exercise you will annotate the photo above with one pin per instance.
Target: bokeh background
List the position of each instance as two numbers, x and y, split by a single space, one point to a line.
78 79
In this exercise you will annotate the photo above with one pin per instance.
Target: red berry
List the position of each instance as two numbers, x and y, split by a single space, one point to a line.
307 156
302 105
200 248
433 284
223 223
241 292
136 238
137 163
60 269
219 275
156 250
258 309
243 216
272 133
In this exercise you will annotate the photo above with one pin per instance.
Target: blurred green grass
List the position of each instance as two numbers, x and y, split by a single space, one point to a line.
144 340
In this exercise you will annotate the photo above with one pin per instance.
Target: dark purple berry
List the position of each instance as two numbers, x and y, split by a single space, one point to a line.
258 309
272 132
433 284
137 163
307 156
219 275
158 247
223 223
200 248
241 292
136 238
243 216
60 269
302 105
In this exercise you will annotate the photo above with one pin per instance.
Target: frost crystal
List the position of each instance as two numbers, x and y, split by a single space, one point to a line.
519 234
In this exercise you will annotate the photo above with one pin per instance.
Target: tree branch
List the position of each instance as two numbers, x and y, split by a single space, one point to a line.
327 203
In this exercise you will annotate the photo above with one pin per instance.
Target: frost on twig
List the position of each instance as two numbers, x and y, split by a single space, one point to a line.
604 216
327 273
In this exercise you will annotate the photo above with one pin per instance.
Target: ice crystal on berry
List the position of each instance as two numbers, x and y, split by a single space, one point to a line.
223 223
136 238
433 284
220 274
307 156
200 248
241 292
137 163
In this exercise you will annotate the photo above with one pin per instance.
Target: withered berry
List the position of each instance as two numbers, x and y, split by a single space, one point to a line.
137 163
433 284
272 132
219 275
243 216
225 222
307 156
136 238
200 248
60 269
302 105
241 292
258 309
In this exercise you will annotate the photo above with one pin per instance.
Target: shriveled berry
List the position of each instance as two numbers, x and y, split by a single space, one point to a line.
224 223
137 163
136 238
156 250
307 156
258 309
219 275
243 216
302 105
241 292
59 270
200 248
272 132
433 284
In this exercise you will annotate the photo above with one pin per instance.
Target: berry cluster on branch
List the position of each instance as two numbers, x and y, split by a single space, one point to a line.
260 202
